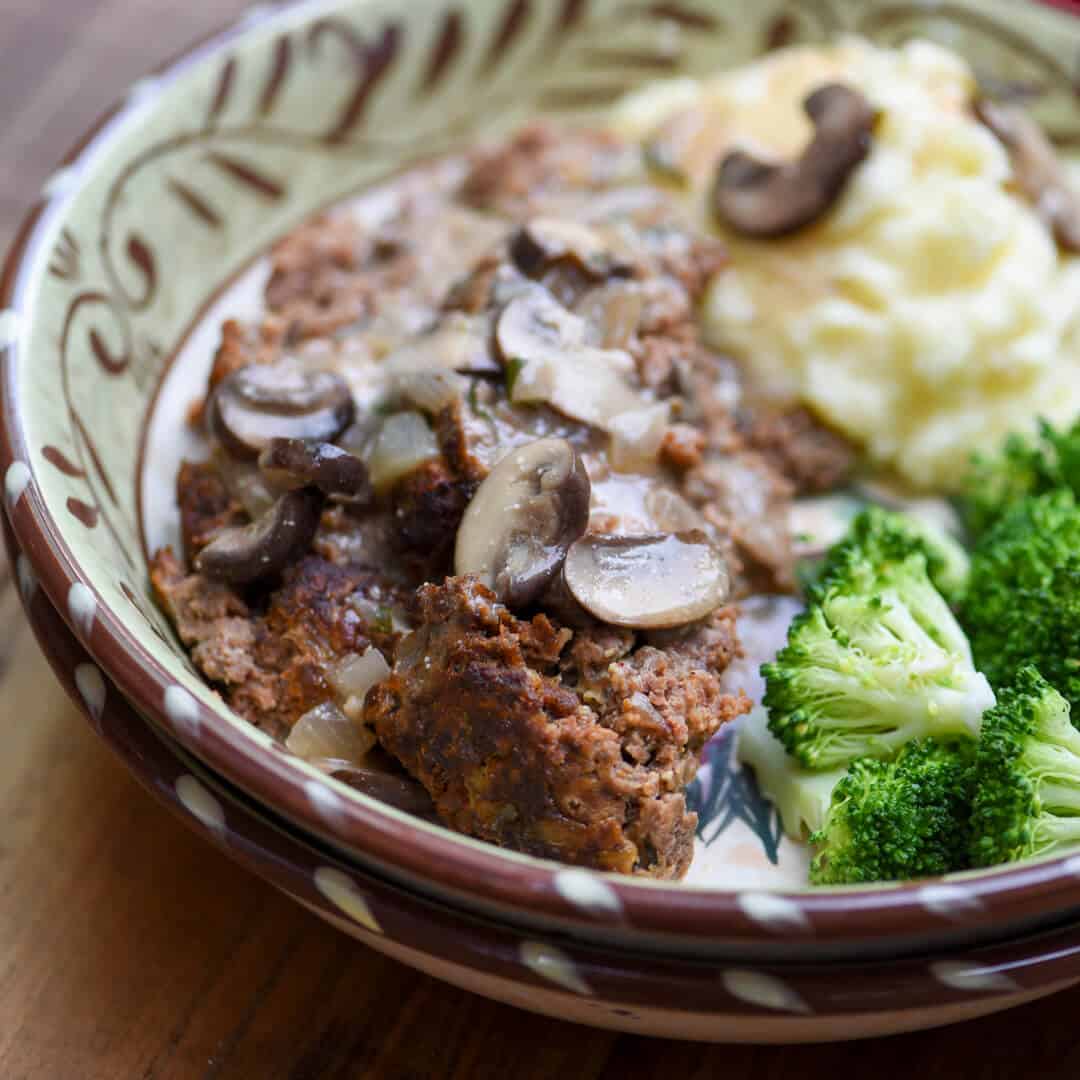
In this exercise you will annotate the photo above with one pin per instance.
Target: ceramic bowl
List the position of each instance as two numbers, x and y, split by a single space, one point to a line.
139 242
565 979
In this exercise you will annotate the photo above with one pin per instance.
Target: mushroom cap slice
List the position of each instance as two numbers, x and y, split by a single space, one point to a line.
542 243
546 349
304 462
248 552
1037 169
647 582
266 401
524 516
759 198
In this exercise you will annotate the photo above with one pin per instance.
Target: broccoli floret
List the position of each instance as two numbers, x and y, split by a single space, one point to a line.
876 660
898 819
947 560
1027 775
1023 601
1025 466
800 795
883 536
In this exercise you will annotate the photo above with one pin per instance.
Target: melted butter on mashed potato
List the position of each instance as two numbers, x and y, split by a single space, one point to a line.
929 312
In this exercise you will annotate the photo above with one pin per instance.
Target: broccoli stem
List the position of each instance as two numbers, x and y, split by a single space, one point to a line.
1053 830
1061 799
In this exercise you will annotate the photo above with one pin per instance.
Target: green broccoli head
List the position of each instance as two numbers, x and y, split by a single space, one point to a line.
898 819
883 536
1023 602
1025 466
1027 775
877 659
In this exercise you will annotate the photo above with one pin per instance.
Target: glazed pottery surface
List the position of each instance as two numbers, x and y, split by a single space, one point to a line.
713 1002
152 228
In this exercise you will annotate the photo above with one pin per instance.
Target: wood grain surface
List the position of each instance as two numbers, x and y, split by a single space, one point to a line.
129 948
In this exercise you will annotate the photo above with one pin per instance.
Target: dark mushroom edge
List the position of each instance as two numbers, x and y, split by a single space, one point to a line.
304 462
524 516
647 582
1036 168
245 553
261 402
759 198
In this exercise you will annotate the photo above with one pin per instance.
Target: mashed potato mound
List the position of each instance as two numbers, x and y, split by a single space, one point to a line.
929 312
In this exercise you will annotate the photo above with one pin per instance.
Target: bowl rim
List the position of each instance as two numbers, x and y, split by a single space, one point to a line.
621 981
473 874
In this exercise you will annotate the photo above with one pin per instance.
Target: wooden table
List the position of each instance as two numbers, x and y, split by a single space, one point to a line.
130 948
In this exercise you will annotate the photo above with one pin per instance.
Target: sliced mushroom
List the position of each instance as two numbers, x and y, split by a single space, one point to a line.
400 791
544 243
548 359
761 198
303 462
430 391
527 511
247 553
460 343
1038 171
267 401
647 582
557 600
533 325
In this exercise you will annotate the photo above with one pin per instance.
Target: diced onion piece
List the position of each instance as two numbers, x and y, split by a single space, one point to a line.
359 437
326 732
612 312
357 674
636 436
246 483
383 616
670 512
404 442
430 390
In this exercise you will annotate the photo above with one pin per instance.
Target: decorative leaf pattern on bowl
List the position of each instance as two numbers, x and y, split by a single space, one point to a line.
205 164
725 791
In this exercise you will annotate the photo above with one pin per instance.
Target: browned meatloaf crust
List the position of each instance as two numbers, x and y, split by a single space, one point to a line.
206 506
273 666
572 744
475 710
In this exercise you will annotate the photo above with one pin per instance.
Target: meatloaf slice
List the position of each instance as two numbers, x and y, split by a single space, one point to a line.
518 178
475 709
273 667
798 446
206 505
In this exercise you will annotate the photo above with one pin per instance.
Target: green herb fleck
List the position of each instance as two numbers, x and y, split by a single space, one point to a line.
513 370
474 402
